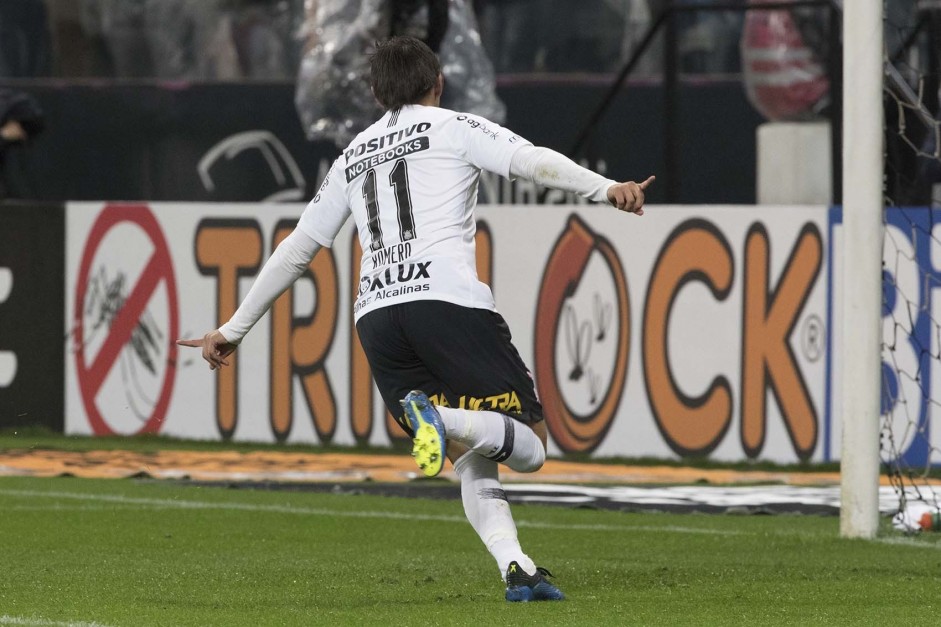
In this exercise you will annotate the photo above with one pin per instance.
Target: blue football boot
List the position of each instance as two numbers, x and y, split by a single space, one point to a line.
521 586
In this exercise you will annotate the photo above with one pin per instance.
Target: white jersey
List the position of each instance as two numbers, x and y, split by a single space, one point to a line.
410 181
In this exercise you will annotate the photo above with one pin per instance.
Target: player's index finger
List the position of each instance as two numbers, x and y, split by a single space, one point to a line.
645 184
193 343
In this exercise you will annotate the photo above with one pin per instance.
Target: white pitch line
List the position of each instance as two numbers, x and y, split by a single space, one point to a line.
908 541
312 511
62 507
43 622
586 527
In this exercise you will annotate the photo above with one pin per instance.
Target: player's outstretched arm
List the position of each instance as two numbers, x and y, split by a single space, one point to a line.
547 167
286 264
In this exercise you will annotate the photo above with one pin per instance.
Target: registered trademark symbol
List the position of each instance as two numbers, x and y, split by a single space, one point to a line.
813 337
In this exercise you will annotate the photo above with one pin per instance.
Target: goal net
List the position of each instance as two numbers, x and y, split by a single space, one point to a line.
910 442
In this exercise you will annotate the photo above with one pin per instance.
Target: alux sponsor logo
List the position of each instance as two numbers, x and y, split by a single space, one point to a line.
395 275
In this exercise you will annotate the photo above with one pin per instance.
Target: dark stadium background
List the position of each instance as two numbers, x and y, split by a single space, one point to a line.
114 130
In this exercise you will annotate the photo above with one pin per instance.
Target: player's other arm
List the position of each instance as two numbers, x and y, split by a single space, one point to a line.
286 264
547 167
319 224
496 149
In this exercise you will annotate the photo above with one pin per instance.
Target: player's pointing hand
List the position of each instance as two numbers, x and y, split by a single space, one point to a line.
629 196
215 348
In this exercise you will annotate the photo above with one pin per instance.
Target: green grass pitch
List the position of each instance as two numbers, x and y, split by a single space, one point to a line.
121 552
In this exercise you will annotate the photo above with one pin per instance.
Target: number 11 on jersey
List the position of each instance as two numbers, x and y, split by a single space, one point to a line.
398 179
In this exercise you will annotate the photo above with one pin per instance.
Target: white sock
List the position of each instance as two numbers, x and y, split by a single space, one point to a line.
495 436
488 511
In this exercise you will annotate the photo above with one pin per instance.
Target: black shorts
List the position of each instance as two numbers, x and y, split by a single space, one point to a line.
458 356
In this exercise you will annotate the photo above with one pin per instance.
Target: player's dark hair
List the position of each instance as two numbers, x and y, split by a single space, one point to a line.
401 71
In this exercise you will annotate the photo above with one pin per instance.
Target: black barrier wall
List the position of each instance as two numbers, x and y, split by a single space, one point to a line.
243 142
32 315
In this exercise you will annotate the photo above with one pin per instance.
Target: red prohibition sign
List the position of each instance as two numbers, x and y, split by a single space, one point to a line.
157 270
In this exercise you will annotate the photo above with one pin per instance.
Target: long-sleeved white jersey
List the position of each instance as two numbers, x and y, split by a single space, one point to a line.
410 183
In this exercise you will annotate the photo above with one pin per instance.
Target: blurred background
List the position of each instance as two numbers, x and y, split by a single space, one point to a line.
248 99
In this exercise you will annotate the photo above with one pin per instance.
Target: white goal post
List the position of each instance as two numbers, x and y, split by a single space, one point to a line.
862 265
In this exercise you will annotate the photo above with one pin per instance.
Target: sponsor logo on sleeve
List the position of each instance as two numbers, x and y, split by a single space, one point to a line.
482 126
323 186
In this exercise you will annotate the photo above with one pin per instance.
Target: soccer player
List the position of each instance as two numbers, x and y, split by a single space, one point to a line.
428 326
